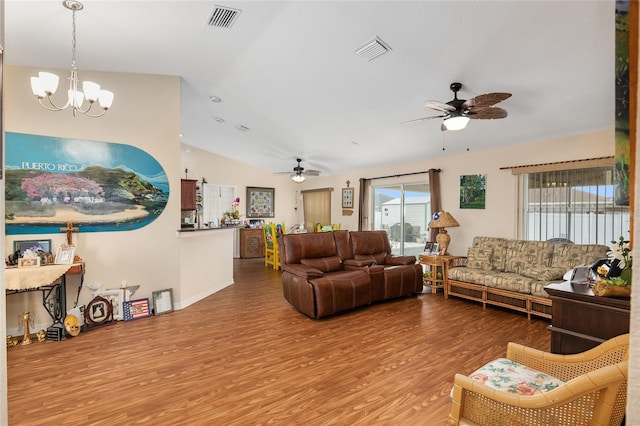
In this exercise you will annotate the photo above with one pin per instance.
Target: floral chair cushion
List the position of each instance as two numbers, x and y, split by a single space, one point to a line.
509 376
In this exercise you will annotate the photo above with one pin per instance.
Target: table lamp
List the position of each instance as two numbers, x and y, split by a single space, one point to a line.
443 220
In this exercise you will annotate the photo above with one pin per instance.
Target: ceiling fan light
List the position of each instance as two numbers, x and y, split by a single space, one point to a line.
456 123
297 178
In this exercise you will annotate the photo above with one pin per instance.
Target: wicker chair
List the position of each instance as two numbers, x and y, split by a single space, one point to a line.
594 392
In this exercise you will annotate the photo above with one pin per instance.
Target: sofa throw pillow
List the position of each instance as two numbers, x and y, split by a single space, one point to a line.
324 264
480 258
543 273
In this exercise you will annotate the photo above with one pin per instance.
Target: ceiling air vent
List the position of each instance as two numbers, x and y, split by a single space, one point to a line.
372 49
223 17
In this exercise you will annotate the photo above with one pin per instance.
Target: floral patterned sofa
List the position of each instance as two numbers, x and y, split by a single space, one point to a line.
513 273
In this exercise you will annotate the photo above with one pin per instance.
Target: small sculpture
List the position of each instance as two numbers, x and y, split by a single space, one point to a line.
41 335
11 341
27 320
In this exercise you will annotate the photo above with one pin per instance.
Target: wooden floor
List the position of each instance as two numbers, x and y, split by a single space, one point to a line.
243 356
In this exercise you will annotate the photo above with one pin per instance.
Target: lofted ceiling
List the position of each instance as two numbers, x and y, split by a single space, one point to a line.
287 71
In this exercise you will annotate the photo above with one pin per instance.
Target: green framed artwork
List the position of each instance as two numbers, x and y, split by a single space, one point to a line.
472 191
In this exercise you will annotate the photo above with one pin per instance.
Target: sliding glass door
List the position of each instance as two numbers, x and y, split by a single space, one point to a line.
403 210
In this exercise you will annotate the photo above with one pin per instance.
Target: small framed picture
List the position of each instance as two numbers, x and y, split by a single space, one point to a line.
28 262
33 245
162 301
347 198
428 248
136 309
116 298
65 255
98 312
435 250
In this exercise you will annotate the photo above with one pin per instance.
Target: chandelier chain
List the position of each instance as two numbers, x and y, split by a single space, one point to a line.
73 39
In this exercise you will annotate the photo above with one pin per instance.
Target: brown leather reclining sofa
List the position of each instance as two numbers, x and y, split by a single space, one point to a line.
330 272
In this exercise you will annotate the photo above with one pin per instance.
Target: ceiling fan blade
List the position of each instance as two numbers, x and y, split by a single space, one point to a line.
486 100
424 118
487 113
311 172
439 106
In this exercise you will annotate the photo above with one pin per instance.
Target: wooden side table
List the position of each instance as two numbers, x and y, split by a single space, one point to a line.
439 267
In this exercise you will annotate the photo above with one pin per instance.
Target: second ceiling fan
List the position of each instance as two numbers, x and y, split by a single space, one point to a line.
299 173
457 112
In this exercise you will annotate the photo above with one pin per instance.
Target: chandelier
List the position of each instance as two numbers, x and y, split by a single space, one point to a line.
46 84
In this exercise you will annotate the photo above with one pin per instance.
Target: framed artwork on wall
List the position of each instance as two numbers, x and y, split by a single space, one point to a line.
472 191
347 198
260 202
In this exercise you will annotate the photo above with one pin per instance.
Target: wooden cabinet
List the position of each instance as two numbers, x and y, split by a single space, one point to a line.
581 320
188 194
251 243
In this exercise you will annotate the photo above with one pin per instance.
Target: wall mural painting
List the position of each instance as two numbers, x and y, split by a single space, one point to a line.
625 65
99 186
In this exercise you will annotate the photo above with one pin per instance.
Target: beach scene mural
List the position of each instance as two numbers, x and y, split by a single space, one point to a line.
97 186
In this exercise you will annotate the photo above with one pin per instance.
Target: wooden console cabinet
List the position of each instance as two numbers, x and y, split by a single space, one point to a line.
580 320
251 243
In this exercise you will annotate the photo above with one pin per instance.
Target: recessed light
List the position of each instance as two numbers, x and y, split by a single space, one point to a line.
215 99
242 128
219 119
354 143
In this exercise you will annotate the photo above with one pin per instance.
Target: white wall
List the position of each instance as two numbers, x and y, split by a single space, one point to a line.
145 114
220 170
498 218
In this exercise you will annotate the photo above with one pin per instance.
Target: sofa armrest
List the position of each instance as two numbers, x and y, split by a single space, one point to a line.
359 263
399 260
303 271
